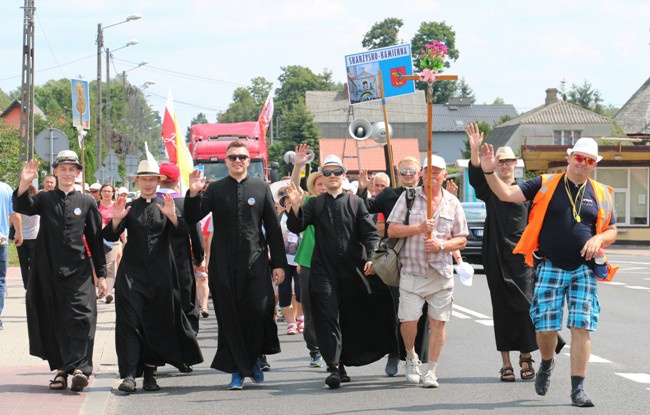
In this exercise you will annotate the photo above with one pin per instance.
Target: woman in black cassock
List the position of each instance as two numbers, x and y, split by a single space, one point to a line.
151 328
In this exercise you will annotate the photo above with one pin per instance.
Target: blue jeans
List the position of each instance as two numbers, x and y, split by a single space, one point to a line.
3 275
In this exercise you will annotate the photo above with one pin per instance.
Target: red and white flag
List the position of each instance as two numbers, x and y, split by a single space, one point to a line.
264 119
169 129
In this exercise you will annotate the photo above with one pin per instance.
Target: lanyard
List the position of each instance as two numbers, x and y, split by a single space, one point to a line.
574 201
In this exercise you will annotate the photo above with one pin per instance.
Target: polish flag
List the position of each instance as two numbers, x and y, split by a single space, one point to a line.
175 145
264 120
169 128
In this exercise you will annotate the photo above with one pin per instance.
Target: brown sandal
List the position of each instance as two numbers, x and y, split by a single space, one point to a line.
527 373
60 382
507 374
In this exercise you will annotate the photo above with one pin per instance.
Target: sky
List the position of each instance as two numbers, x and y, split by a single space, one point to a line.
204 49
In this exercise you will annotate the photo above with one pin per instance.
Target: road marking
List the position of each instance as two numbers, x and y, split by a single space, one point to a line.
470 312
489 323
459 315
614 283
637 287
631 269
636 377
592 358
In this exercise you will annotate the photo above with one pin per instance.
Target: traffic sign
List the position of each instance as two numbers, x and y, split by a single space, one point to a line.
49 142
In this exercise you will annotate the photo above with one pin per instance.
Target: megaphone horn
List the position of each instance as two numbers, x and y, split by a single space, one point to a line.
360 129
289 157
379 132
312 156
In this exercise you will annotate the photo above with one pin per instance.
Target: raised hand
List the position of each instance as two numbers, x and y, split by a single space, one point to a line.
364 180
451 187
474 136
302 154
119 209
169 207
196 183
29 172
488 161
295 195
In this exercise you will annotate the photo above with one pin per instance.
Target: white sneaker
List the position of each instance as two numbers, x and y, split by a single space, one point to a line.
430 380
413 373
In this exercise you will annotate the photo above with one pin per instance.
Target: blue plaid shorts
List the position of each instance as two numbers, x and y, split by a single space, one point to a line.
553 285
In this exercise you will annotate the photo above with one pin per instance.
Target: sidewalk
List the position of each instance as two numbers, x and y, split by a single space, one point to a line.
24 379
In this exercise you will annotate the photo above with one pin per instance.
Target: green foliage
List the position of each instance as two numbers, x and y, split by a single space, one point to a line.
464 90
9 148
440 31
383 34
5 101
498 101
298 127
242 108
586 97
199 119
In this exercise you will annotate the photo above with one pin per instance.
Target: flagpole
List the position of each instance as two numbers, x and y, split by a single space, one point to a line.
388 145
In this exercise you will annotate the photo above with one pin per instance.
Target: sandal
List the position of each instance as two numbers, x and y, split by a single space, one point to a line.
79 381
507 374
60 382
527 373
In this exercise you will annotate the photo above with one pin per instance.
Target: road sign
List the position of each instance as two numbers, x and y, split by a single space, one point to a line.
49 142
131 163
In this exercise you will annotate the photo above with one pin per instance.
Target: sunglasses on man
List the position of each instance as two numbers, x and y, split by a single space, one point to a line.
240 157
588 161
328 173
404 172
507 162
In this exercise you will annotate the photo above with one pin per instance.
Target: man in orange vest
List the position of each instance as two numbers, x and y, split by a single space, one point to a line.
579 223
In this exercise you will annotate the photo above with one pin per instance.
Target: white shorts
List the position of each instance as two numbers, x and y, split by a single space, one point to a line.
434 289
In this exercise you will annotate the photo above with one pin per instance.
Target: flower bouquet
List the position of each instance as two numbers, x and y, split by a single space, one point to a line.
432 60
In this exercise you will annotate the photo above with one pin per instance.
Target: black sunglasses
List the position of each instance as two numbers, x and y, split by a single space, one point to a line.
240 157
404 172
328 173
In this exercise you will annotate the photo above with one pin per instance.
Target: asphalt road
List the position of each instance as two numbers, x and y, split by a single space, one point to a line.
618 379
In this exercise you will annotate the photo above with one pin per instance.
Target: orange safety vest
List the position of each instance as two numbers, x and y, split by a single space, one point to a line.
529 240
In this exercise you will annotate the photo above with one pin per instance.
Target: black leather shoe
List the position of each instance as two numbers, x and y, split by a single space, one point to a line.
127 385
334 379
343 374
150 385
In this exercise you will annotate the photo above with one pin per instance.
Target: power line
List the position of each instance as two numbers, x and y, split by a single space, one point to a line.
40 25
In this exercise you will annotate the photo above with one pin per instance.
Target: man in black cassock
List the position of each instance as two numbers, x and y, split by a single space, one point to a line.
61 299
151 328
510 279
353 312
239 275
188 249
383 203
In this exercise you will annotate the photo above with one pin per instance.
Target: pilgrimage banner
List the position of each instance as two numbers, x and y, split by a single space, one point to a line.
80 104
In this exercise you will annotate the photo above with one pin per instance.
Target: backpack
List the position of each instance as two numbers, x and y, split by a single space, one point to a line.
385 261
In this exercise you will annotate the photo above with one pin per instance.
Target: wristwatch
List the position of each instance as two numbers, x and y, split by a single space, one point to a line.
442 246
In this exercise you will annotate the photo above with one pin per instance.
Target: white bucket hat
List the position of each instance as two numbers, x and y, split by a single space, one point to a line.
588 146
332 160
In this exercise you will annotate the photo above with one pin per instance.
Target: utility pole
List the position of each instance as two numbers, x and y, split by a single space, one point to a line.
100 45
108 100
27 85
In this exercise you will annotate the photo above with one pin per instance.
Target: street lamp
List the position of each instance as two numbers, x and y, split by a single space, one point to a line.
100 45
109 55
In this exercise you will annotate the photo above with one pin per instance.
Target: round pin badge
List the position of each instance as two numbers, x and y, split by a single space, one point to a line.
251 201
77 211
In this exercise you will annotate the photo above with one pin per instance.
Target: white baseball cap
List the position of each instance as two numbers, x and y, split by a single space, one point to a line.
436 161
588 146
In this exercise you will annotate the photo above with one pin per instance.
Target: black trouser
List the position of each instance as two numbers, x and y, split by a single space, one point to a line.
26 256
325 306
309 332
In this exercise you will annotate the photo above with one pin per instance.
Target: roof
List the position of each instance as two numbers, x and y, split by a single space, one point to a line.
634 117
559 112
332 107
450 117
371 158
501 135
16 104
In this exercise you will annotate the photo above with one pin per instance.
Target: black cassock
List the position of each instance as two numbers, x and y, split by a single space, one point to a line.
61 299
239 273
510 279
353 314
150 325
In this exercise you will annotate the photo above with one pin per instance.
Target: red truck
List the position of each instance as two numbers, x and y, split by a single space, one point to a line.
208 143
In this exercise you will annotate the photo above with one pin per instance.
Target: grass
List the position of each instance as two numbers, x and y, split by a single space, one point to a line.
12 254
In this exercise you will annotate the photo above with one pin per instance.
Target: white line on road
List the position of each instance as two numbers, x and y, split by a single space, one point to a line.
637 287
614 283
459 315
470 312
592 358
489 323
636 377
631 269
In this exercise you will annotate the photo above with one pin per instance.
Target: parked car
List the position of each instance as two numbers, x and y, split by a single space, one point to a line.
475 214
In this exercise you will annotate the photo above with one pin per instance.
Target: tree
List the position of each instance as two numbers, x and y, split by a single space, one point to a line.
383 34
243 107
298 127
5 101
259 90
464 90
428 31
9 148
583 95
199 119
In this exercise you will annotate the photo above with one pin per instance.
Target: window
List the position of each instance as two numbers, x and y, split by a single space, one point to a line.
630 193
566 137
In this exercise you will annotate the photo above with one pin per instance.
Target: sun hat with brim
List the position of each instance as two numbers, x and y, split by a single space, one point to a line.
276 186
505 153
148 168
67 157
436 161
588 146
122 190
311 182
95 187
332 160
